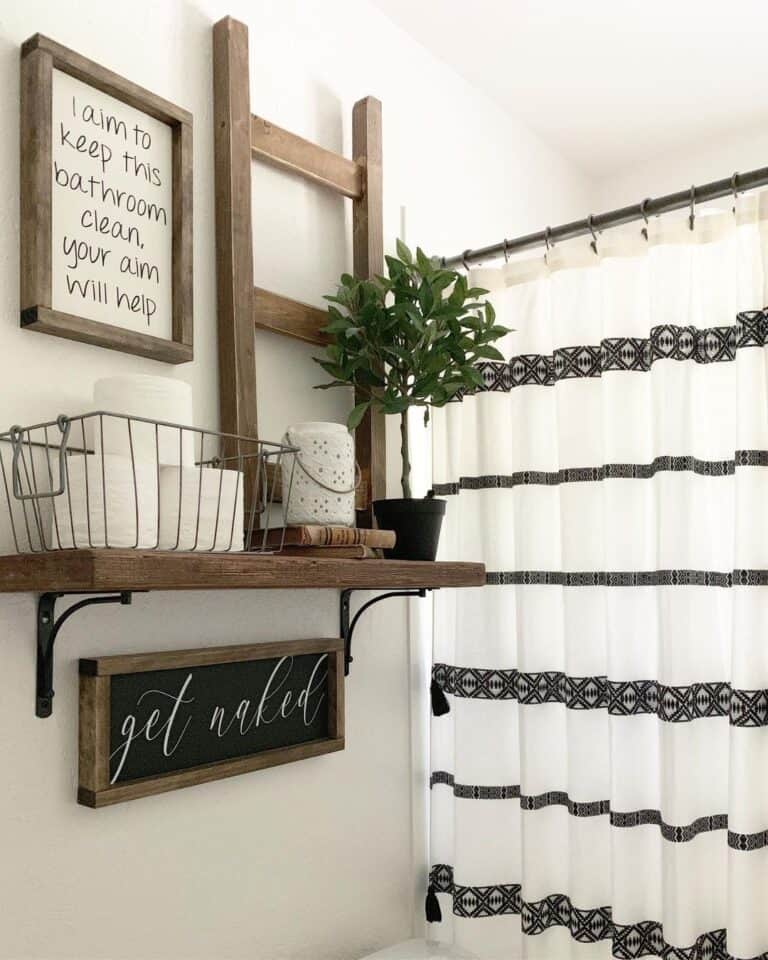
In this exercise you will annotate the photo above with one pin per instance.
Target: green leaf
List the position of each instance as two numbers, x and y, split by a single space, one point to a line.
396 405
357 414
489 353
424 263
403 252
473 376
329 386
459 293
396 267
426 298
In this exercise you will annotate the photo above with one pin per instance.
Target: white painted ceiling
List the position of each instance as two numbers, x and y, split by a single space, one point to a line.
606 82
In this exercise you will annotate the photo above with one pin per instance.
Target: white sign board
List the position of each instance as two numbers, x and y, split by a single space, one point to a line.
111 219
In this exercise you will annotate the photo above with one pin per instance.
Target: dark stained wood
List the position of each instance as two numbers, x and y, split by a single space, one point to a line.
289 317
95 677
368 253
275 482
181 243
71 327
234 242
360 178
115 570
204 656
36 185
287 151
94 733
39 57
206 774
103 79
336 694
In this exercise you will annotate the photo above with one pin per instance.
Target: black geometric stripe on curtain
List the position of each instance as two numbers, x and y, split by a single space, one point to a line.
601 775
675 833
630 578
607 471
673 704
668 342
592 925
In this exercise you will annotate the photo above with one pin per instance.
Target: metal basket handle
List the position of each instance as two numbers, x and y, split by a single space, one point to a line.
17 442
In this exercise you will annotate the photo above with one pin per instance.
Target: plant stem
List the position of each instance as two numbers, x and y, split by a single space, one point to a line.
405 478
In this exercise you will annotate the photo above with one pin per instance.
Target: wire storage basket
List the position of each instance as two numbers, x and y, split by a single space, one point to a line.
113 481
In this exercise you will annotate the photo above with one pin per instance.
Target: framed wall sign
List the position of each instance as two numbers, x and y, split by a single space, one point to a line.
155 722
106 207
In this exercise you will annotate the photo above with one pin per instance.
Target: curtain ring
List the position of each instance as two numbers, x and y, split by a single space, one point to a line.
467 253
735 189
692 214
593 244
506 253
547 244
644 215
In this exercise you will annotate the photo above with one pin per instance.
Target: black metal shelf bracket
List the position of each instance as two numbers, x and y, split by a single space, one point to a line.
48 629
347 625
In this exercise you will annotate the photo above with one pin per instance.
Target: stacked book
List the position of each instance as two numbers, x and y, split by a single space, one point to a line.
330 543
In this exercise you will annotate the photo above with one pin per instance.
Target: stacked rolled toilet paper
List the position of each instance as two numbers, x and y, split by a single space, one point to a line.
107 502
141 487
201 509
148 398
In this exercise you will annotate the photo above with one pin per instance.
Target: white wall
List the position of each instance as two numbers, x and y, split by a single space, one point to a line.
701 162
311 860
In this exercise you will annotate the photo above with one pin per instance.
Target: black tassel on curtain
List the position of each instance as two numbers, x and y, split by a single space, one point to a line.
432 906
440 705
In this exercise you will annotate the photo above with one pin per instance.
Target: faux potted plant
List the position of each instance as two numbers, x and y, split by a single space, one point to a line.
410 339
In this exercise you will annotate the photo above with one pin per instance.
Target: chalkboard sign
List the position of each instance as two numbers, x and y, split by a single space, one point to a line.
106 208
155 722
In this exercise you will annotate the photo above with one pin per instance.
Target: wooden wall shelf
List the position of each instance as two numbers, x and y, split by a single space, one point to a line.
83 571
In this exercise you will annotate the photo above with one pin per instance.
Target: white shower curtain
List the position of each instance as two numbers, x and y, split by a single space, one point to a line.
600 784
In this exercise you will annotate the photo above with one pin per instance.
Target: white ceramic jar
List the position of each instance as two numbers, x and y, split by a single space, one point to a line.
324 481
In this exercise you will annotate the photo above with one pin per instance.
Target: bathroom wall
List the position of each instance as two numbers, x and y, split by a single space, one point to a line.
313 860
701 162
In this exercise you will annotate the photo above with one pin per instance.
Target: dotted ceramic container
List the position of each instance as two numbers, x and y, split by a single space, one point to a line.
323 488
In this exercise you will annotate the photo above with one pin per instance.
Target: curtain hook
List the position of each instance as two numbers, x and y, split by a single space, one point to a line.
593 244
547 243
735 189
467 253
692 214
506 252
644 215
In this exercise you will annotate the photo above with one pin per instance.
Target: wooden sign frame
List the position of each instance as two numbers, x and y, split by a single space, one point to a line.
95 700
39 57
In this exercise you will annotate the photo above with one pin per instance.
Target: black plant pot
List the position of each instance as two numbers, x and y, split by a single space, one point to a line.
417 525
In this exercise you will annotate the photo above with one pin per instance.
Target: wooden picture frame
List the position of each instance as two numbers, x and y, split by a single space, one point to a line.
40 56
95 746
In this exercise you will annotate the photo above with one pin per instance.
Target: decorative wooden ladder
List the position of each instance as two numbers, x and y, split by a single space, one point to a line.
240 137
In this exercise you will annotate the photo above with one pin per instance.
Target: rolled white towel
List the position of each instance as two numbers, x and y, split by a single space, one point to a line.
155 398
126 517
214 495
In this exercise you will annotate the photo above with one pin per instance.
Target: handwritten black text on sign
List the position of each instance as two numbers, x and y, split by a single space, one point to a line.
111 218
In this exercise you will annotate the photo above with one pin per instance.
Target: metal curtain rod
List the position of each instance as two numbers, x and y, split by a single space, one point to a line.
739 182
